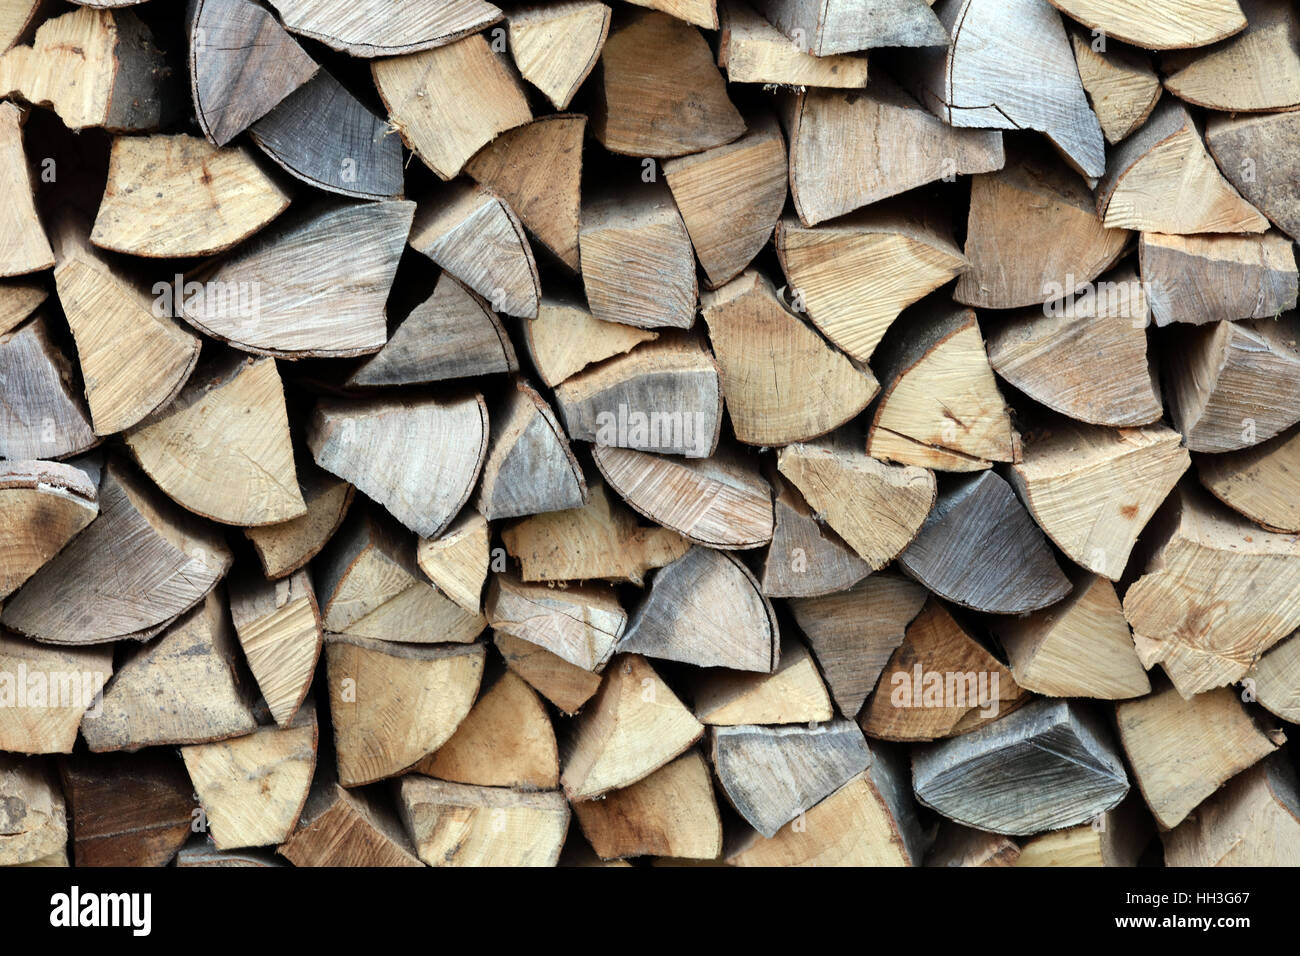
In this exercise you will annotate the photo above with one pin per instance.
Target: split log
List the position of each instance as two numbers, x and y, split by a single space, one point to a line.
1274 681
279 628
992 778
565 685
1093 490
792 694
419 458
853 633
1121 85
184 688
473 234
81 597
24 247
43 506
1200 279
581 625
386 29
631 727
18 300
453 824
201 852
772 775
1182 750
980 549
1261 482
556 46
658 93
1115 838
33 824
1158 24
16 19
450 101
706 609
565 338
1255 155
1253 821
956 845
1233 77
1217 593
45 691
752 50
457 560
287 547
701 13
392 704
40 414
805 559
855 275
354 828
842 26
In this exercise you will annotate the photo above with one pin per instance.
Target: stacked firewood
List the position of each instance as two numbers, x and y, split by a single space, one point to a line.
441 433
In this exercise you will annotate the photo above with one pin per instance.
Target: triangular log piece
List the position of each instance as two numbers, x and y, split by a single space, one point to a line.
791 694
721 502
773 774
40 414
457 560
18 300
271 297
1261 482
1257 155
939 406
1253 821
370 586
956 845
1200 279
454 824
387 28
393 704
222 449
284 548
557 45
1092 490
992 778
631 727
419 458
658 92
940 681
663 396
252 789
1182 750
1276 677
565 685
980 549
241 64
842 26
1084 356
325 136
854 275
43 506
565 338
579 624
45 690
705 609
23 248
701 13
279 628
1217 593
766 355
751 50
850 149
450 101
529 468
876 507
854 633
81 596
1158 24
1121 85
1258 69
1161 179
805 558
352 828
671 813
1115 838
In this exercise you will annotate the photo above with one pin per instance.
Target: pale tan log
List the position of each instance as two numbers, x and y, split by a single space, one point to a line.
1121 85
1274 681
556 46
23 247
284 548
841 26
751 50
16 16
339 827
386 29
1115 838
279 628
43 506
45 691
35 825
1261 482
805 558
18 300
1200 279
565 338
1253 821
791 694
579 624
457 560
1253 154
40 416
1257 69
565 685
701 13
1159 24
956 845
454 824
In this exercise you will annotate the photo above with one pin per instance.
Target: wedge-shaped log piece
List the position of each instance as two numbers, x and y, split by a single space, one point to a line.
877 508
392 704
1235 384
1261 482
1258 69
1114 838
1276 680
1257 155
44 691
276 298
1084 356
419 458
1092 490
279 628
284 548
705 609
565 338
43 506
222 449
556 45
992 778
241 64
664 396
854 275
773 774
454 824
370 586
721 502
791 694
16 19
938 683
1159 24
457 560
671 813
252 789
1161 179
40 415
701 13
850 149
565 685
1200 279
751 50
529 467
23 247
34 825
842 26
1217 593
956 845
82 596
352 828
658 92
1121 85
386 29
805 558
632 726
325 136
978 548
1182 750
854 633
1253 821
18 300
580 624
451 101
766 356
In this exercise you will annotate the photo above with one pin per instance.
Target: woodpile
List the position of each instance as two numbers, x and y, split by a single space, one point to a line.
747 432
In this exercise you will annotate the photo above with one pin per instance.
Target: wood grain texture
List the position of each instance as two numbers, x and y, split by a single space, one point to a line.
1159 25
23 248
1257 69
1253 821
1252 154
457 560
18 300
1115 838
286 547
556 45
279 628
386 29
339 827
43 506
1200 279
956 845
565 338
581 625
45 691
752 50
1276 680
805 558
1121 85
792 694
40 416
842 26
565 685
1261 482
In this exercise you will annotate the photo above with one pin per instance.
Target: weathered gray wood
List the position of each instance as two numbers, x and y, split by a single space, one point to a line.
1258 155
824 27
40 415
805 558
1200 279
579 624
371 28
